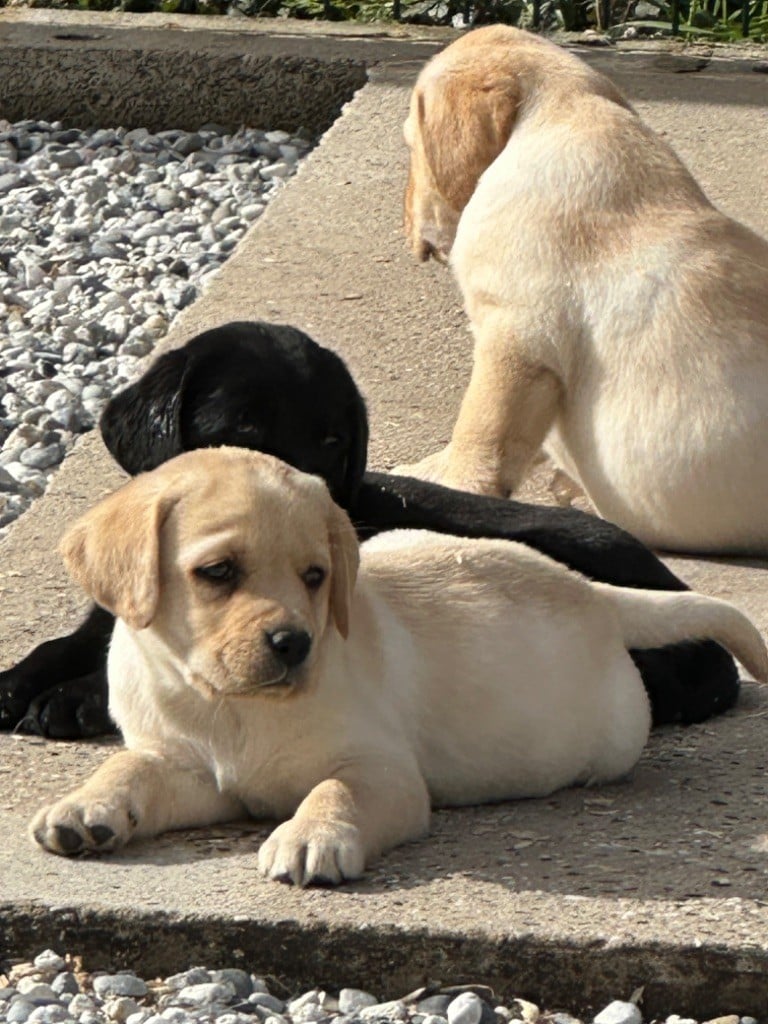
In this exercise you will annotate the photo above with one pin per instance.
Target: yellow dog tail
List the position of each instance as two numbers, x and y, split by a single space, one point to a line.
655 618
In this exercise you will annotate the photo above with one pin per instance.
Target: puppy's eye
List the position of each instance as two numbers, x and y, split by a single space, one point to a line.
217 572
330 440
313 577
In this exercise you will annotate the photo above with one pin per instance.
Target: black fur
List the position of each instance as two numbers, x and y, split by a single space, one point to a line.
253 385
272 388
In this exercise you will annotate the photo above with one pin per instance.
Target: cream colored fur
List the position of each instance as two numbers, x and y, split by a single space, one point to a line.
619 319
453 671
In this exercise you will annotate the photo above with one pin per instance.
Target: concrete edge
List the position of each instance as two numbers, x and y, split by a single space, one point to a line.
581 975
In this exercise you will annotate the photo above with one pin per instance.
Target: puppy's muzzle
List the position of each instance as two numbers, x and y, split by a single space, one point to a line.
289 646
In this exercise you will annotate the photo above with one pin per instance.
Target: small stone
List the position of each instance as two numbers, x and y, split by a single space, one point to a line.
65 982
19 1011
54 1013
68 159
394 1010
105 985
466 1008
528 1011
732 1018
10 181
139 1017
80 1004
42 457
252 211
239 980
619 1012
188 144
206 993
351 1000
33 990
92 1017
191 179
309 1014
281 169
267 1001
308 998
165 199
120 1008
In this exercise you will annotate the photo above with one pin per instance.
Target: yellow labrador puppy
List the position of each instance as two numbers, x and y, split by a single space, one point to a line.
618 317
250 675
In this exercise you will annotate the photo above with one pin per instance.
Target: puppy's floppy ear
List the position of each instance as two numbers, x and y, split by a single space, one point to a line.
465 118
113 551
345 559
140 425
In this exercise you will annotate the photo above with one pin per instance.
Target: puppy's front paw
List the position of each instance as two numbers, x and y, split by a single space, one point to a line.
76 825
313 851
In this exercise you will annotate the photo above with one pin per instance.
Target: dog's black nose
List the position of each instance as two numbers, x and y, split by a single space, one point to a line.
290 645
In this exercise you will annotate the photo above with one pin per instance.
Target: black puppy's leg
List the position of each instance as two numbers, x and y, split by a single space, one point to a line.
685 683
72 665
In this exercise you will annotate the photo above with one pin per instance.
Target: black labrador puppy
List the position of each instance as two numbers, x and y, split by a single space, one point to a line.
272 388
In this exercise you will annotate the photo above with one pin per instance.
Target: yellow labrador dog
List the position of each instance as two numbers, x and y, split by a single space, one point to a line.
250 674
618 317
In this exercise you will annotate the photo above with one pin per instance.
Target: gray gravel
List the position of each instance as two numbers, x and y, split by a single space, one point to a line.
55 989
105 235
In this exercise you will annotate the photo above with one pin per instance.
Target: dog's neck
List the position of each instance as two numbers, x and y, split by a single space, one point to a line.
144 672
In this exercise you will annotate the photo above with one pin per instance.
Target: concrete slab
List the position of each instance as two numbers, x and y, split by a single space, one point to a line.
660 882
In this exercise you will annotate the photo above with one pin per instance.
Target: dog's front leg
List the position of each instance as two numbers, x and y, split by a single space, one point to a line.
343 823
132 795
506 413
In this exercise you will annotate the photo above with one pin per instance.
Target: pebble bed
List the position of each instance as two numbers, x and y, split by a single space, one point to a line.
105 235
56 990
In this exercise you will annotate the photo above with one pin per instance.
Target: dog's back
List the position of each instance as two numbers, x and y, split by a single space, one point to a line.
484 644
501 644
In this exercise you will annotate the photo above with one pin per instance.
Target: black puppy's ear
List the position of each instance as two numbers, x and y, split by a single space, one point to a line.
141 424
358 449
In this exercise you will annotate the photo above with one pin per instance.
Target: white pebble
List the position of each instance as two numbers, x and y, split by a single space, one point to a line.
466 1008
618 1012
105 985
90 234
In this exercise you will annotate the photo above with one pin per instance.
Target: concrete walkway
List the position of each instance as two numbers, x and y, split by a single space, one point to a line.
573 900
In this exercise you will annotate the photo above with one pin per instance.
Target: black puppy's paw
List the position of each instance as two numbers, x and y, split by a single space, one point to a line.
14 700
73 710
